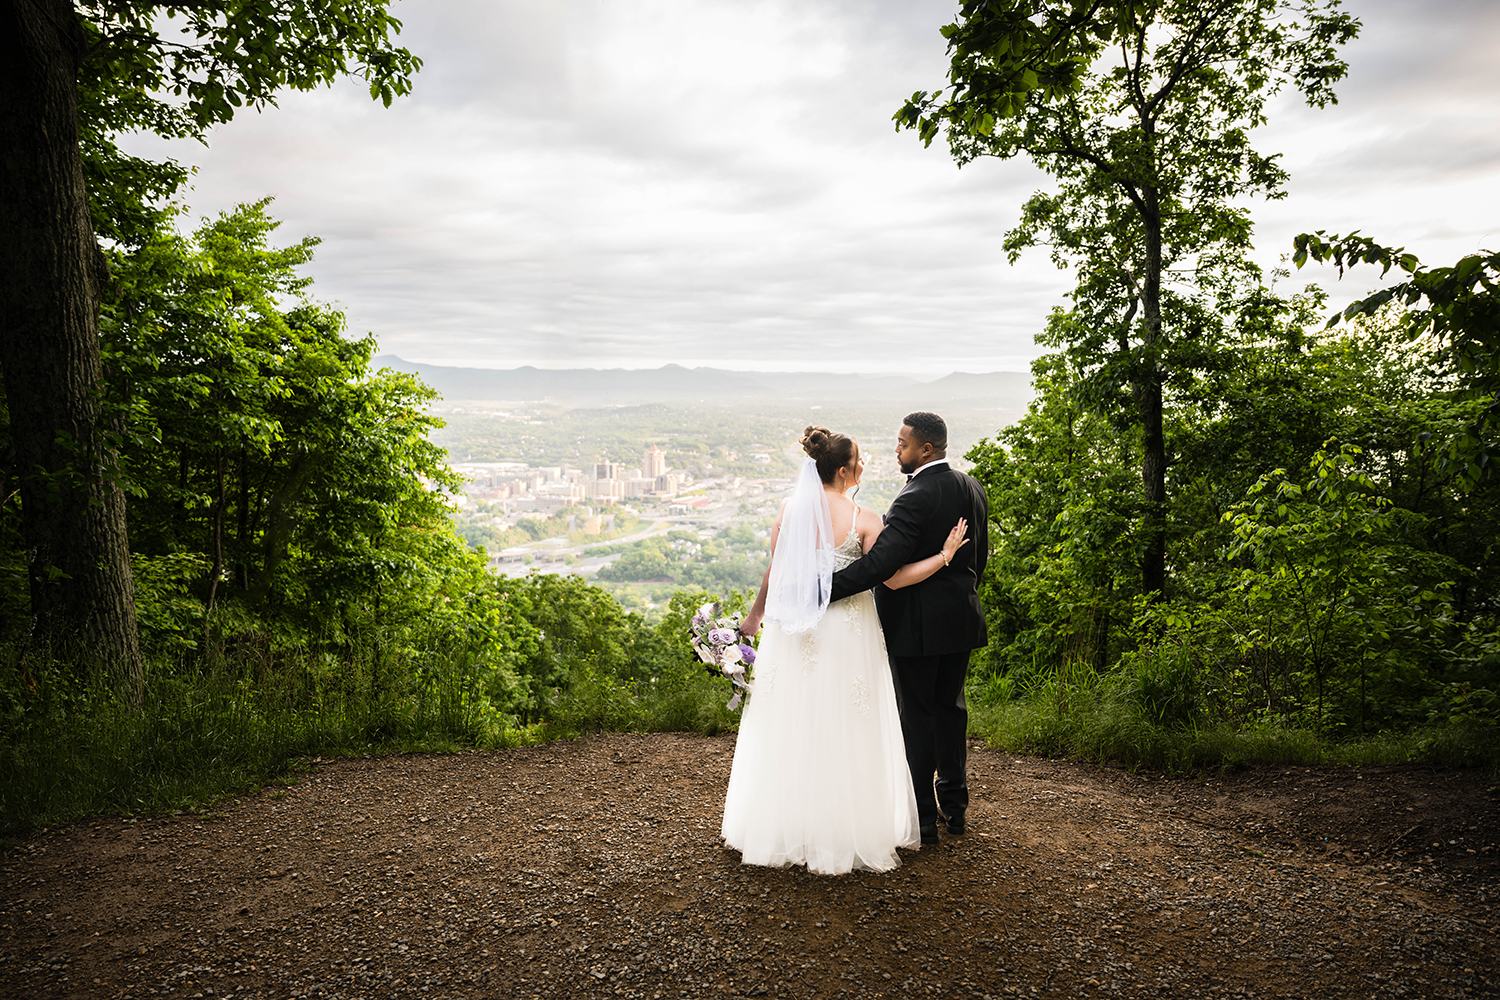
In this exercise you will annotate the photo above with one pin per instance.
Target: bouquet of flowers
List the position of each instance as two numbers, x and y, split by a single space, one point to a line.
724 652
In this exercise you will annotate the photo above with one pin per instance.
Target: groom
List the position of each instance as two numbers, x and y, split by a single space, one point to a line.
929 627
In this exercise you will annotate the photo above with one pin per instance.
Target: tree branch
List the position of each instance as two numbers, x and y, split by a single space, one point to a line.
1182 64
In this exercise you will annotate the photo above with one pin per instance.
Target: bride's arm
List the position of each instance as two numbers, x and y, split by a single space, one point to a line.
750 624
916 572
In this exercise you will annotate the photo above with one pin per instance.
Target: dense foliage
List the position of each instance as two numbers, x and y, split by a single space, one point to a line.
300 585
733 561
1330 567
480 529
77 77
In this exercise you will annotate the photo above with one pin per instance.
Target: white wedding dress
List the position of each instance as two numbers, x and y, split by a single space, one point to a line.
820 776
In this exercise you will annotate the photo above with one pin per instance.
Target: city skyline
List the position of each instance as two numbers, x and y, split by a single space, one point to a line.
545 489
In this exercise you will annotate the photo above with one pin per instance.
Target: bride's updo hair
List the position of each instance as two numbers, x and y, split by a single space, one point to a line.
831 451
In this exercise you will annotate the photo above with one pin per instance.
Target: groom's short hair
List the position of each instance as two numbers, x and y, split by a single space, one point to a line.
928 427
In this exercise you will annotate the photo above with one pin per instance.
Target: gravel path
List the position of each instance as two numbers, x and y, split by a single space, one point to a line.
593 868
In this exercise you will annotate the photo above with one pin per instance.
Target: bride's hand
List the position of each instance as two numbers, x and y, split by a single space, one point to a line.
749 627
956 539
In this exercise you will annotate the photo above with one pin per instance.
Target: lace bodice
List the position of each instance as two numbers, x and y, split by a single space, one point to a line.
850 549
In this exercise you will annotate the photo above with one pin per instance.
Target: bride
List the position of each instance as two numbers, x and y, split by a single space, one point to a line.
819 775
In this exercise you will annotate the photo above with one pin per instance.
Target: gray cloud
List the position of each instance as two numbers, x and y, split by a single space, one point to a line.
1411 154
652 181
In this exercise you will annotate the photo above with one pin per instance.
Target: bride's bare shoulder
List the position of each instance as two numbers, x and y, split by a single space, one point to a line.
841 509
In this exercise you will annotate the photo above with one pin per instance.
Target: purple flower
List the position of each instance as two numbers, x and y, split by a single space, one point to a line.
747 652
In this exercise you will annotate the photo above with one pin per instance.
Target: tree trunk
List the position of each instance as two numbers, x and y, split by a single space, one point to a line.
1149 392
218 540
179 510
52 275
279 521
242 531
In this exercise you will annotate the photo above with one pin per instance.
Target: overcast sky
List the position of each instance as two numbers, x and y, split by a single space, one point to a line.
631 183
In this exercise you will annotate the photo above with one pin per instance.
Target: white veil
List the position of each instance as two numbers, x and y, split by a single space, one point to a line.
802 565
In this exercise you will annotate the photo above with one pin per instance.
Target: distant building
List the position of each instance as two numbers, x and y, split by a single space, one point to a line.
605 470
655 464
560 494
605 489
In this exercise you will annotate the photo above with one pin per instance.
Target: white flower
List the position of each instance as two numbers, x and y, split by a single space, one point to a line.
730 660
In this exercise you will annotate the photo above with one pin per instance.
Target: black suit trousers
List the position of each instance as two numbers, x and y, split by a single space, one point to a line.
934 725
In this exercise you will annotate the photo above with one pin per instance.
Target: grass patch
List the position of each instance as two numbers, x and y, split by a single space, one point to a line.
1077 714
242 721
246 717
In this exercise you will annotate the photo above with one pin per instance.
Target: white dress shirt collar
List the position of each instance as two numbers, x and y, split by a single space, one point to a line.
919 469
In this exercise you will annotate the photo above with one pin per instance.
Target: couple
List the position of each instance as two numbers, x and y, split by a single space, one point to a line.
825 772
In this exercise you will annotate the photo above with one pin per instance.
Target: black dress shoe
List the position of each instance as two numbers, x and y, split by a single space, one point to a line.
955 823
929 835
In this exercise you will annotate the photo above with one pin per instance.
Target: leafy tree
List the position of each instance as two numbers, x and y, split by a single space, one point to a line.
75 75
1459 309
714 568
1059 482
198 352
584 640
647 560
1143 112
1326 575
1374 586
256 439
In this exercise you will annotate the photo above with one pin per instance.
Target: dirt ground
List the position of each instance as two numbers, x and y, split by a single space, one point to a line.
593 868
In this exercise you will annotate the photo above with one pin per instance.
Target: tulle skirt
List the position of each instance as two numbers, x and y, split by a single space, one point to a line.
820 776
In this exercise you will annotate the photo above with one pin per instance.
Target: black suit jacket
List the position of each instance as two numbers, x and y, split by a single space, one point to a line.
942 613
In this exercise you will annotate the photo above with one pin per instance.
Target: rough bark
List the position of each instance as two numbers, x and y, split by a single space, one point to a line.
1153 441
52 275
217 570
242 529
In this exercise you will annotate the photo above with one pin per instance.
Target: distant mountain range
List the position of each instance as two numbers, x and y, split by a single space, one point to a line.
673 383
